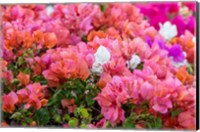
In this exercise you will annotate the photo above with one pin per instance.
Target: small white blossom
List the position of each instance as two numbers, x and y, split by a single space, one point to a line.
167 30
179 64
133 63
101 57
49 9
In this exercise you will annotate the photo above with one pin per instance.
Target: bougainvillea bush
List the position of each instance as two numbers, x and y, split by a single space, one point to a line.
116 65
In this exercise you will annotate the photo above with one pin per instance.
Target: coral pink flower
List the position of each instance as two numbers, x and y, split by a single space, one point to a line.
111 98
4 124
64 64
38 36
184 76
9 102
23 78
50 40
8 76
114 114
147 91
116 66
68 103
105 78
35 96
22 95
162 104
187 120
101 123
94 33
33 101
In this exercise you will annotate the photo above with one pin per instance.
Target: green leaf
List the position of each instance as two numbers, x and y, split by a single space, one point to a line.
140 66
57 118
129 123
42 117
30 52
83 126
84 113
77 111
158 123
24 123
73 122
28 120
148 125
154 123
86 120
103 7
40 79
66 117
189 69
108 124
77 84
84 38
89 99
15 81
11 67
175 112
16 115
27 70
20 61
56 98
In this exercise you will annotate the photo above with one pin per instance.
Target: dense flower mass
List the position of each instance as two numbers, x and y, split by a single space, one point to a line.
116 65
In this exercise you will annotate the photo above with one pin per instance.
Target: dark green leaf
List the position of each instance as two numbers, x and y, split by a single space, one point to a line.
56 98
89 99
175 112
42 117
129 123
140 66
108 124
103 7
158 123
84 38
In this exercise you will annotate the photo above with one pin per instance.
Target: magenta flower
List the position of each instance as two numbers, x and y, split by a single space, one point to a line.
176 52
190 5
184 24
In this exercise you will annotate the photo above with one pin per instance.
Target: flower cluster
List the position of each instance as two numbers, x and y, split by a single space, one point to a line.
99 65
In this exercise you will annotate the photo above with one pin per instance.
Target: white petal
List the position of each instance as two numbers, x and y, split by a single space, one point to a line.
179 64
49 9
102 56
133 63
168 31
